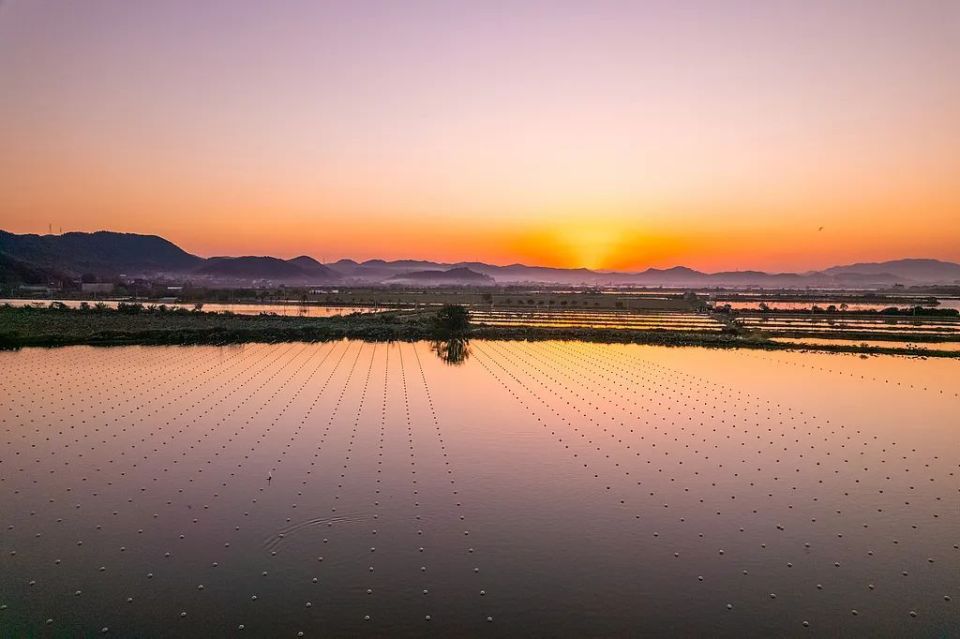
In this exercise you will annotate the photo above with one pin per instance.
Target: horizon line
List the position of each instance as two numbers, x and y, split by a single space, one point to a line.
639 271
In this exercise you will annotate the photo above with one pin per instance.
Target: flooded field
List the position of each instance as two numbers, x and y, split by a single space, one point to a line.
646 320
289 309
483 489
806 306
940 333
881 323
847 304
820 341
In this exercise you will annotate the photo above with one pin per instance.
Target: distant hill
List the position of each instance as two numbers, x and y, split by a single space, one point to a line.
345 266
914 269
249 268
675 276
520 273
41 258
101 253
313 268
14 271
460 275
376 270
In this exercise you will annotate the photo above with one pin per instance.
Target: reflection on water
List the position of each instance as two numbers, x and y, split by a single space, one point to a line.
536 489
453 351
838 305
595 318
919 346
288 309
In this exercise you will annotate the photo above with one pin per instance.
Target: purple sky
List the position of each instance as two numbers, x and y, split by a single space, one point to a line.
598 133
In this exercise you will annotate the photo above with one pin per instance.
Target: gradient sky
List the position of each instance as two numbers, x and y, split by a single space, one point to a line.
602 134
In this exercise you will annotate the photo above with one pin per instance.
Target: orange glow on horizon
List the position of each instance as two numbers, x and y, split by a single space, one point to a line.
633 135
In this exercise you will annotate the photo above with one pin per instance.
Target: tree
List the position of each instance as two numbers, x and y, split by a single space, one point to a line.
452 319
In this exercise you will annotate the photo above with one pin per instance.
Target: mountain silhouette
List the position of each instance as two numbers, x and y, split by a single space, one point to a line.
31 258
457 275
100 253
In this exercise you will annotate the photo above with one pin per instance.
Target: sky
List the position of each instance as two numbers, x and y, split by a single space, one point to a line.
607 134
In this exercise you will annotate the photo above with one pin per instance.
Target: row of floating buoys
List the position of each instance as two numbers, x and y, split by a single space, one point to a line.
469 547
951 474
538 367
181 536
204 430
98 385
852 375
92 486
333 417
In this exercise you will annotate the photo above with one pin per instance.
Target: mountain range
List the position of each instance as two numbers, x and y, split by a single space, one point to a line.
104 254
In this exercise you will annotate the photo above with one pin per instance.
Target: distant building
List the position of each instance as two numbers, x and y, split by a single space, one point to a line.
96 287
35 288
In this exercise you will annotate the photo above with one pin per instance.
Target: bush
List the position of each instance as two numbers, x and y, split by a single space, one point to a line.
129 309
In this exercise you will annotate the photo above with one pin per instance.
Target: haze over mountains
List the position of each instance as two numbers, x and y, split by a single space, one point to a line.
33 258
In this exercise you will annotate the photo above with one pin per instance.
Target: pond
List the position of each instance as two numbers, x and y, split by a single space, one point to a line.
477 489
291 309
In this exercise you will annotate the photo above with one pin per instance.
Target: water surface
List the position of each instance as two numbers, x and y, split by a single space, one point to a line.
546 489
289 309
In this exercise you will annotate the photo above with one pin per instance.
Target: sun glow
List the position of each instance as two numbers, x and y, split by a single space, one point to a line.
589 245
629 136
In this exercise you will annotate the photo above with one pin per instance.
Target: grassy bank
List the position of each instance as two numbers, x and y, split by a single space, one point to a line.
48 327
25 326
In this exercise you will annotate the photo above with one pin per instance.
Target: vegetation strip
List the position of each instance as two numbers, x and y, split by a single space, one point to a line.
134 325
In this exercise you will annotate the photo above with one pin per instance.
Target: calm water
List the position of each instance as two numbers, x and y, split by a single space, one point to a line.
290 309
806 306
542 489
699 322
944 302
814 341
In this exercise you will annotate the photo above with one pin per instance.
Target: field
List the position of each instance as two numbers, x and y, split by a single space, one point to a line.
650 320
486 488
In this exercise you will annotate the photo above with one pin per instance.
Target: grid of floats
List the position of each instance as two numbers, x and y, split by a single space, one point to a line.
549 488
